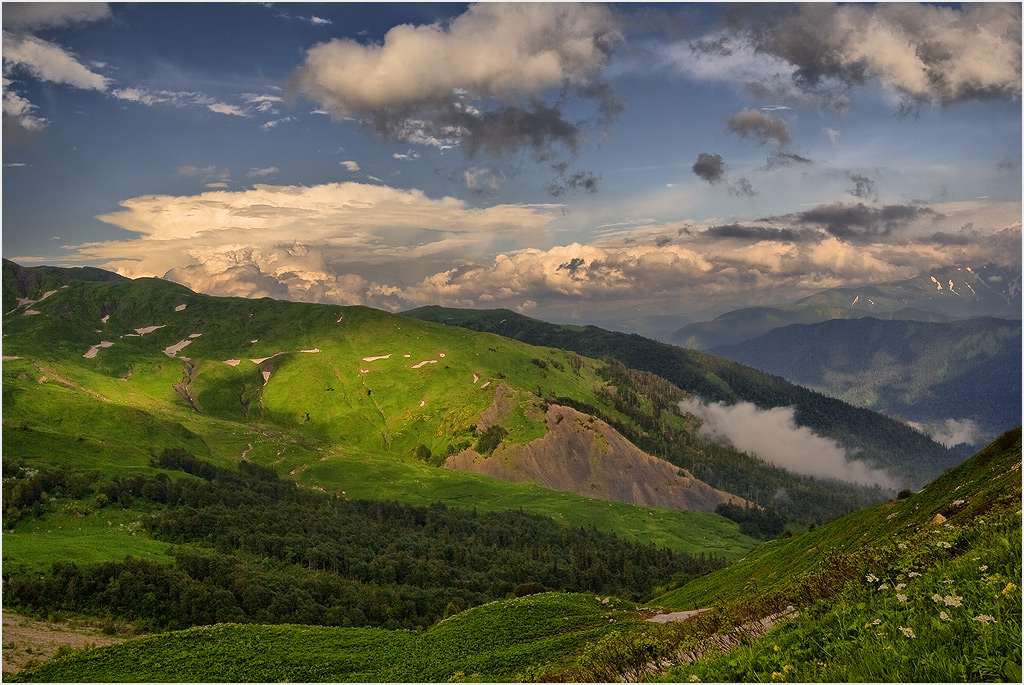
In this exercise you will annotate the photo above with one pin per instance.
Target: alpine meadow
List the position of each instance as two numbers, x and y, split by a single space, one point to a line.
511 342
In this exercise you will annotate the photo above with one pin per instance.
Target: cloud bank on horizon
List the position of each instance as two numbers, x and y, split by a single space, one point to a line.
568 160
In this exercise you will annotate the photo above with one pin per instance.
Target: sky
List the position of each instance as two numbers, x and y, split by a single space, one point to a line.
593 163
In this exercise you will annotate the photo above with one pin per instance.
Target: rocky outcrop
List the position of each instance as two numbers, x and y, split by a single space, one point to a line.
587 456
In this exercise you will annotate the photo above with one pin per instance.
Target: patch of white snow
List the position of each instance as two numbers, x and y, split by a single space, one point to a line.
105 318
95 349
148 329
312 351
180 308
936 282
855 300
173 350
424 363
232 362
485 385
266 376
31 312
373 359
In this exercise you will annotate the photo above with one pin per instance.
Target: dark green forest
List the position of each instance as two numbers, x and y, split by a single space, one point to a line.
252 548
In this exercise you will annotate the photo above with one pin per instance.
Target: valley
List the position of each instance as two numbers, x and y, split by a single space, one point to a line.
230 474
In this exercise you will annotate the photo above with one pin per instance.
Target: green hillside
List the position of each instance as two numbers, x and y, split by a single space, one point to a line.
922 372
876 439
926 588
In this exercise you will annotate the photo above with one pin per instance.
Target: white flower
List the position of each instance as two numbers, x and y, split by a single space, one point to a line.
953 601
902 598
883 586
901 586
913 574
944 616
936 598
877 622
983 568
907 632
694 679
984 618
944 545
871 578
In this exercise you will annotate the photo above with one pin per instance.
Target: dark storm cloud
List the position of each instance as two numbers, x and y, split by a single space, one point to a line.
709 167
859 220
862 186
580 180
781 158
758 233
741 187
927 53
760 126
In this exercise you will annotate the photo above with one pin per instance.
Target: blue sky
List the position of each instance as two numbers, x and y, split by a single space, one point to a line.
585 162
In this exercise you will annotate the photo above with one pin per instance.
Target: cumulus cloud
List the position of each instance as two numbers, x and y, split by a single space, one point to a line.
476 81
925 53
774 436
350 165
37 15
709 167
762 127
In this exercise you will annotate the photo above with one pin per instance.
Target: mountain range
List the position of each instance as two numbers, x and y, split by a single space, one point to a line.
961 378
941 295
176 460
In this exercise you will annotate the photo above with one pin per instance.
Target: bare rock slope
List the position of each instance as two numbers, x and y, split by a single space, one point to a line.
587 456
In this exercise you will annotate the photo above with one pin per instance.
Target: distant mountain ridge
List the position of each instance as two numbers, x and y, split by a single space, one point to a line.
917 371
941 295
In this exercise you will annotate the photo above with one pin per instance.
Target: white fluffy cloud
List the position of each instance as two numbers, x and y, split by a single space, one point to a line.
392 248
774 436
48 62
477 80
493 49
338 242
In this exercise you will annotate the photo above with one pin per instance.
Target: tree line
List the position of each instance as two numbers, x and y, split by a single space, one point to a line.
250 547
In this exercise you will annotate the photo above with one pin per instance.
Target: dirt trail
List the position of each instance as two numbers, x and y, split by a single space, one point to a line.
676 616
28 639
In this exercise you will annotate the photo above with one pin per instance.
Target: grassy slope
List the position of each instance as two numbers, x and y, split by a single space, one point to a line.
890 594
111 413
504 641
882 442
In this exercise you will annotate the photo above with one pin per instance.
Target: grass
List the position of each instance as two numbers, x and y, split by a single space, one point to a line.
503 641
77 535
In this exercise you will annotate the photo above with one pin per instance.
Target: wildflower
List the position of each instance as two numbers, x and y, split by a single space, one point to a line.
944 616
901 545
776 675
983 568
694 678
902 598
776 648
871 578
787 668
944 545
913 574
953 601
984 618
948 581
907 632
1009 588
876 622
883 586
936 598
901 586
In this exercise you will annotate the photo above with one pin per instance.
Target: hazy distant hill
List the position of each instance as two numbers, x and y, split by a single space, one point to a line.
922 372
942 295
